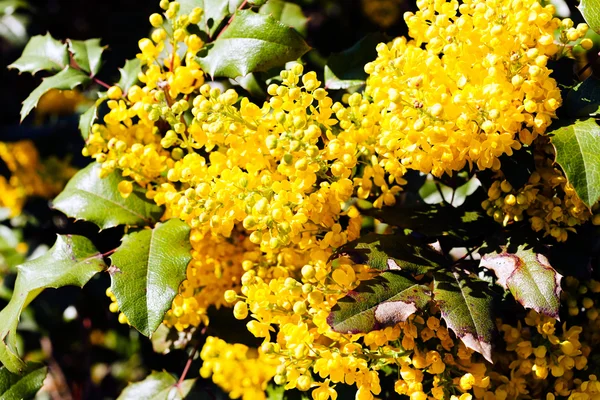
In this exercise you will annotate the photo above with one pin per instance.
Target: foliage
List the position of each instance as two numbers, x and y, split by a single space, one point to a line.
392 219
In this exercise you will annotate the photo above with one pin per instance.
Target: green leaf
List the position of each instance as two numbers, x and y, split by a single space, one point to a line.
91 198
346 70
87 119
392 252
42 53
584 99
157 386
456 197
590 9
9 256
251 43
215 12
578 153
72 261
10 6
87 54
529 277
22 386
287 13
68 78
466 305
383 301
147 270
129 74
252 85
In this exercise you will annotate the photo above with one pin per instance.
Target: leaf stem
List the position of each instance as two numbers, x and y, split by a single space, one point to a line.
188 364
108 253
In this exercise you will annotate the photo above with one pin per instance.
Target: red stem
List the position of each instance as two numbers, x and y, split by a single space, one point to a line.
108 253
101 83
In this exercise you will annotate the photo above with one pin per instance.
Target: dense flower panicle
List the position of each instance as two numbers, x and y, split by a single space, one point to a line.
216 267
472 84
241 371
547 198
268 190
29 175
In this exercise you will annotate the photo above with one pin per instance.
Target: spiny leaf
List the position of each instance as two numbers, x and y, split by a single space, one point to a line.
157 386
91 198
22 386
68 78
590 9
578 153
87 54
287 13
529 277
214 15
147 270
346 70
42 53
466 305
392 252
252 43
72 261
129 74
87 119
383 301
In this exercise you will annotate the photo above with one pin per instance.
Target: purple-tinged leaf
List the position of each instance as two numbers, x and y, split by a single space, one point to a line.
466 305
383 301
529 277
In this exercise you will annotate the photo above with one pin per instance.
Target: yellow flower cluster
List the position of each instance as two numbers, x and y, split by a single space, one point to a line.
547 198
472 85
267 190
216 267
241 371
29 175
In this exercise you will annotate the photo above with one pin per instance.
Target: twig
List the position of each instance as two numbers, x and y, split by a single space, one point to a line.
188 364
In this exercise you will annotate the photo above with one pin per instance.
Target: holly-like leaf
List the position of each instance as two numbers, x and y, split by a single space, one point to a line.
147 270
346 70
129 74
87 54
157 386
393 252
387 299
91 198
214 15
68 78
287 13
72 261
42 53
87 119
22 386
590 9
465 303
529 277
578 153
251 43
